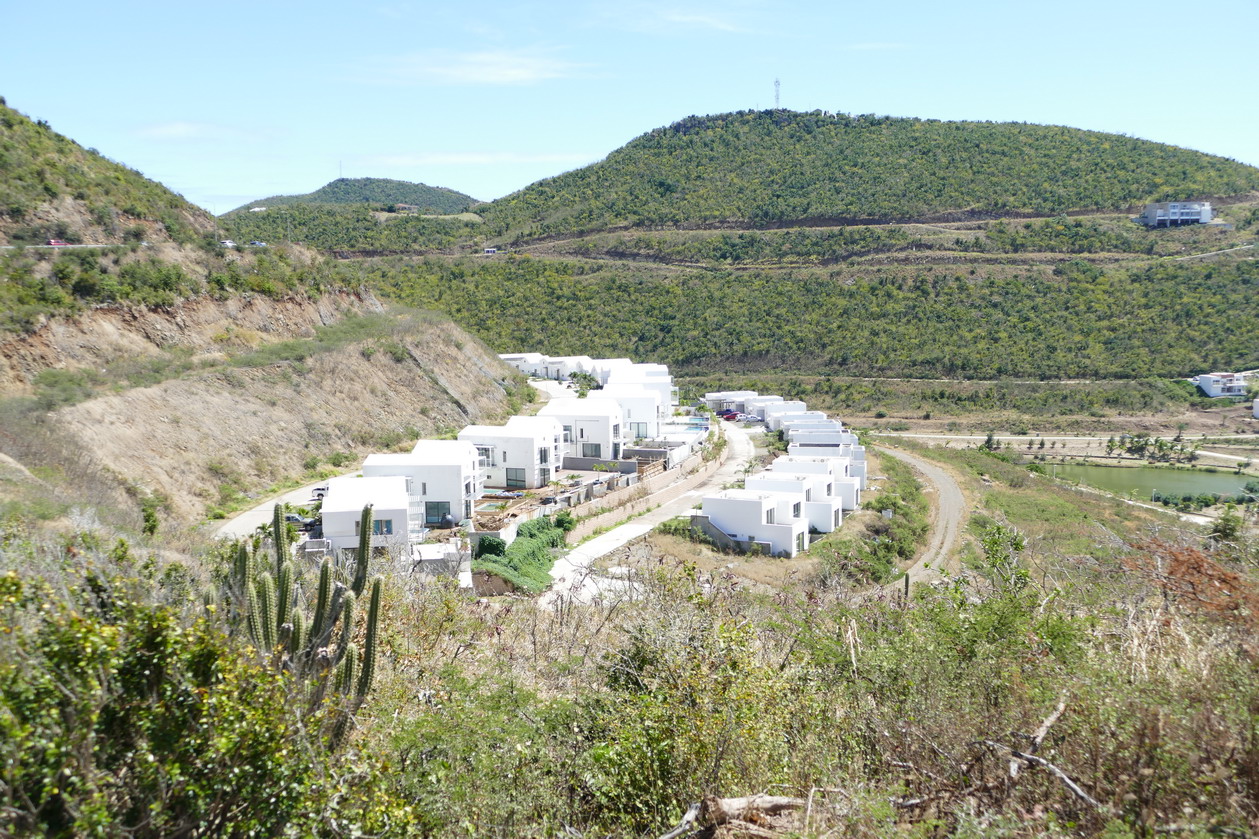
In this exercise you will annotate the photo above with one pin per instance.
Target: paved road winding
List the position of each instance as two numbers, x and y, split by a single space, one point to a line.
947 515
572 574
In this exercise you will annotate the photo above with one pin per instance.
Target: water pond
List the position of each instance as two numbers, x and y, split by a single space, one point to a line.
1141 481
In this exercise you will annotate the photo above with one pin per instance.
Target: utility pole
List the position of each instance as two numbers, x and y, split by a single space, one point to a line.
777 85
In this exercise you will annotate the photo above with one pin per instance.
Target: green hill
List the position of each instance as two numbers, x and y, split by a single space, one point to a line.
774 167
382 191
53 188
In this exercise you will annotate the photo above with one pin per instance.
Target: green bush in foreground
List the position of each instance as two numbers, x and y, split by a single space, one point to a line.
526 562
123 716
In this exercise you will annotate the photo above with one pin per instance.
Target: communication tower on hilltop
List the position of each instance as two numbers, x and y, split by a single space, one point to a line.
777 85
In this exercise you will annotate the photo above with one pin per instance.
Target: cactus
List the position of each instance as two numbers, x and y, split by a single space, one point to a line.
279 535
253 614
363 557
348 670
347 624
297 639
266 610
369 644
322 598
284 592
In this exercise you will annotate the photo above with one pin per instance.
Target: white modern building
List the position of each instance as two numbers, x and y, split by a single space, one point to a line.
444 478
641 408
771 409
855 454
774 418
592 427
734 400
748 515
837 470
525 453
820 508
1175 213
1222 384
342 510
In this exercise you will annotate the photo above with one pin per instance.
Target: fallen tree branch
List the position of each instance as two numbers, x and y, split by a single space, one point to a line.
1039 736
721 810
1054 770
744 812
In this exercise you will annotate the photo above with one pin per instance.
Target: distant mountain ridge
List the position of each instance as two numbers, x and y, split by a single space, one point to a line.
774 167
430 199
53 188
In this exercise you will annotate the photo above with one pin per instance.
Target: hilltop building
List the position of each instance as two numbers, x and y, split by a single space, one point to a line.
1176 213
1222 384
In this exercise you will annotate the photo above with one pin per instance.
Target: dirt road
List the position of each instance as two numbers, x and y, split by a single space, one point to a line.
946 520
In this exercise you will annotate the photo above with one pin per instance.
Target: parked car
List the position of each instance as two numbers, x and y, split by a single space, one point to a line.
731 417
257 244
319 492
300 521
227 243
57 243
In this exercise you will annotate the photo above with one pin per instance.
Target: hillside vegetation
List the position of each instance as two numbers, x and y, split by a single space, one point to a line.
54 188
770 167
353 227
1075 320
377 191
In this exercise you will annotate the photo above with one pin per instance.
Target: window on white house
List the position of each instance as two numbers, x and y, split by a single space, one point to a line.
544 455
795 510
435 510
515 479
592 450
769 516
382 527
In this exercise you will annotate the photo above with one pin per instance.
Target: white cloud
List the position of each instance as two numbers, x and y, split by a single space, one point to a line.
180 131
486 67
702 21
466 158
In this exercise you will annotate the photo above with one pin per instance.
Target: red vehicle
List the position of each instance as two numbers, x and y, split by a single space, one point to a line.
57 243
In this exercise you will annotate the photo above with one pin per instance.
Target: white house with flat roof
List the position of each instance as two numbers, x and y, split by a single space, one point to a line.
775 419
844 486
855 454
593 427
522 454
1222 384
342 511
444 478
770 409
1175 213
820 508
653 377
720 400
640 408
753 516
819 437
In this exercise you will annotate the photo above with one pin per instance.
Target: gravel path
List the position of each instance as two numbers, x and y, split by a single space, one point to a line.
946 519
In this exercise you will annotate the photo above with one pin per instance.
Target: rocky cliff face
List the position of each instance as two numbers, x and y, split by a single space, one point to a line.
222 428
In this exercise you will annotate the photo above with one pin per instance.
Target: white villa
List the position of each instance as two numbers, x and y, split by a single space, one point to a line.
593 427
393 529
1175 213
842 484
748 515
1222 384
523 454
444 478
819 506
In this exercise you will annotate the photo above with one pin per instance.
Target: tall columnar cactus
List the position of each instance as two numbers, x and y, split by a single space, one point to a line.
284 595
280 537
364 551
369 644
266 611
318 650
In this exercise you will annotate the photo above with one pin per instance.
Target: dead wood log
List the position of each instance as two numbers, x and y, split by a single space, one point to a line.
744 813
1039 736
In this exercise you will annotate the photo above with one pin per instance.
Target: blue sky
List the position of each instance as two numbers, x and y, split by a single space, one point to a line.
233 101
